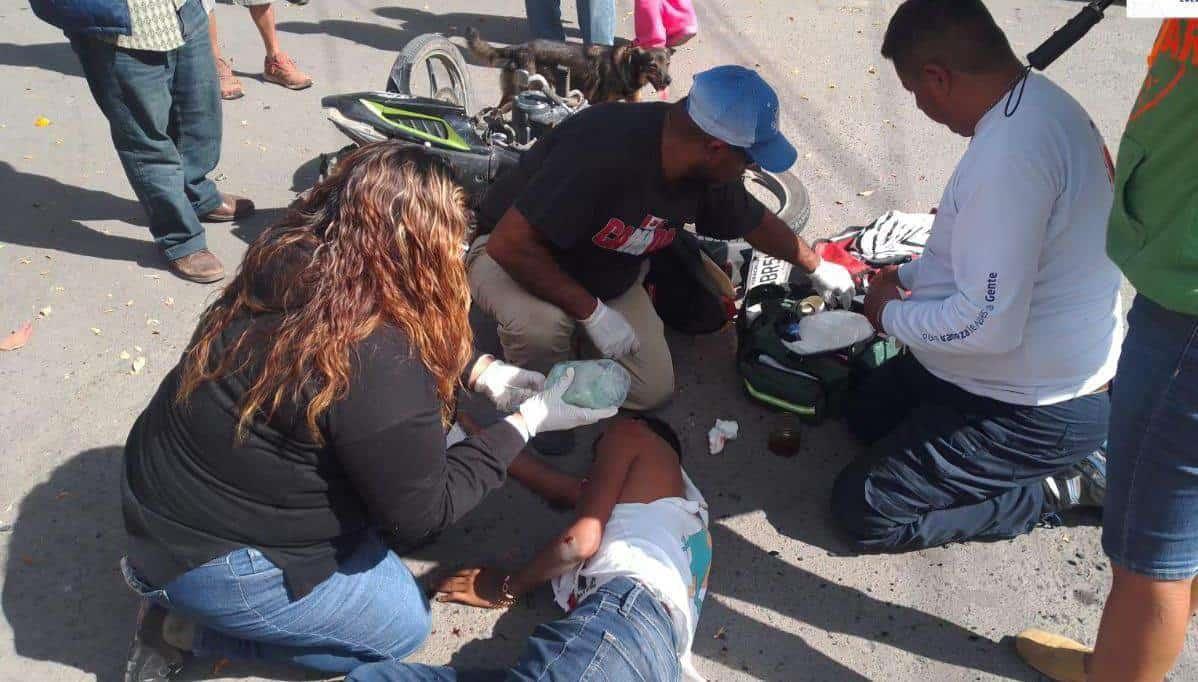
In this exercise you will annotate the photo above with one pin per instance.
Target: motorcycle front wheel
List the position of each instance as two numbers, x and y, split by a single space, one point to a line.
431 66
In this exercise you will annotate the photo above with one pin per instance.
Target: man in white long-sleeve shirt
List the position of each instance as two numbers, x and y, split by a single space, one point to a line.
997 415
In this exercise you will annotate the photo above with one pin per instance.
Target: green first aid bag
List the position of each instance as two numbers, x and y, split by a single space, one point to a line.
811 386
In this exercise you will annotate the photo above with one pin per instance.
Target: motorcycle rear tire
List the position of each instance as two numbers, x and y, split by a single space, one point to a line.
417 53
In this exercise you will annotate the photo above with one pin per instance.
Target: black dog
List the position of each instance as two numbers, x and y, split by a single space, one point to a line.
600 72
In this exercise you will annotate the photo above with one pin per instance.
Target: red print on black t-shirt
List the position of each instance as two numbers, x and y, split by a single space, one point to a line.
652 235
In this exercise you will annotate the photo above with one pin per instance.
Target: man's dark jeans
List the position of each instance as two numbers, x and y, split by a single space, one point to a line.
163 109
946 465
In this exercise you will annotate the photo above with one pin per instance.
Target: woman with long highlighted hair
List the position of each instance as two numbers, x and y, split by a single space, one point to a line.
300 442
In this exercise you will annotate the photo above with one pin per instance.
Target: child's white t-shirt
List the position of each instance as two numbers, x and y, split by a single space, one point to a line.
664 545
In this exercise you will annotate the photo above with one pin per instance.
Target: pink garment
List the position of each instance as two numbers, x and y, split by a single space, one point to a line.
662 23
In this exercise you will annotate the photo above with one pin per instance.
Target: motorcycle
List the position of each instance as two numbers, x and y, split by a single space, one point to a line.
427 102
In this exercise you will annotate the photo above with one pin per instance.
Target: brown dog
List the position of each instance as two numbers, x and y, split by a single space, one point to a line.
600 72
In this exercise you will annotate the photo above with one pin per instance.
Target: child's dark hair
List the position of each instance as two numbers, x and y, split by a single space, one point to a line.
663 430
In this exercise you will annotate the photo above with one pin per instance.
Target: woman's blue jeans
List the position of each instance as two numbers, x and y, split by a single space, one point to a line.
370 610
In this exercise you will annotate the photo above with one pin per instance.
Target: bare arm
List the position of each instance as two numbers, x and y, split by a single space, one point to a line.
581 540
483 586
523 253
774 238
559 489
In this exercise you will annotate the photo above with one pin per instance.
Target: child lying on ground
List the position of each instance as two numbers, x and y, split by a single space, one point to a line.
631 570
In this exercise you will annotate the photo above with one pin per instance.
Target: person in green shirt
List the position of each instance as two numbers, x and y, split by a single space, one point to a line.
1150 519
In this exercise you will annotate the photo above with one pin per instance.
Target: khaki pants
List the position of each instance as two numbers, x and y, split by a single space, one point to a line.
536 334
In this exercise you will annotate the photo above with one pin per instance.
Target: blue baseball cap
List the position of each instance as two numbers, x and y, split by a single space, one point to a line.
737 106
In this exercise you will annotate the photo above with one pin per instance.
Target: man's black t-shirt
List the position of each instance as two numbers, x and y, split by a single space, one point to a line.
593 187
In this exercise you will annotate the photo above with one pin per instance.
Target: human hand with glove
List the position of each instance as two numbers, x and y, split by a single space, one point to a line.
834 283
507 385
610 332
548 411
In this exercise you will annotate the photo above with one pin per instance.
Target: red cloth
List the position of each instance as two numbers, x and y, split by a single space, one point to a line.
837 251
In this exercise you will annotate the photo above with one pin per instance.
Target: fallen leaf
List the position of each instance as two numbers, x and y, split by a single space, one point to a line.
807 155
139 363
838 202
137 348
152 322
244 123
27 560
125 355
110 310
41 122
168 301
59 290
18 338
45 312
48 256
96 331
872 69
219 666
28 157
831 86
62 495
865 192
154 276
129 303
457 632
722 633
25 261
220 177
58 141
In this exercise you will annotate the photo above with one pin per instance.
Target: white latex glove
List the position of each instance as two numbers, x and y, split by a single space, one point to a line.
834 283
507 385
610 332
546 411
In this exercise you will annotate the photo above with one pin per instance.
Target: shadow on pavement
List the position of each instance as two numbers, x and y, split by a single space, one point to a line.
49 214
63 592
58 57
392 39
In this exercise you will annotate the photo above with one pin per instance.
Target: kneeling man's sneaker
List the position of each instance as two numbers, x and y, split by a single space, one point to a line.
1083 485
151 658
1055 656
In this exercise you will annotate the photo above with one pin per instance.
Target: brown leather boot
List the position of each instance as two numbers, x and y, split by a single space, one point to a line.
280 70
232 207
200 266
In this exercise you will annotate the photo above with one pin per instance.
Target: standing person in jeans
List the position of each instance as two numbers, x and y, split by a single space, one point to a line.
631 570
1150 522
153 78
596 20
277 67
995 418
299 445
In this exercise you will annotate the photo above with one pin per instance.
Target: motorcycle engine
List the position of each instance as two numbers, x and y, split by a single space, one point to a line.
534 114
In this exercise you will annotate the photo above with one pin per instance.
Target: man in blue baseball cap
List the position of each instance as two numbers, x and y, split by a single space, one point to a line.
565 237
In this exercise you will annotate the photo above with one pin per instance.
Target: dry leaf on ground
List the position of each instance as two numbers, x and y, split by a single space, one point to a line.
125 355
45 312
96 331
18 338
41 122
865 192
139 364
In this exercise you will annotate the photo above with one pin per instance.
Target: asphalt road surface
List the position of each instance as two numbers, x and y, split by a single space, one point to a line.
784 603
